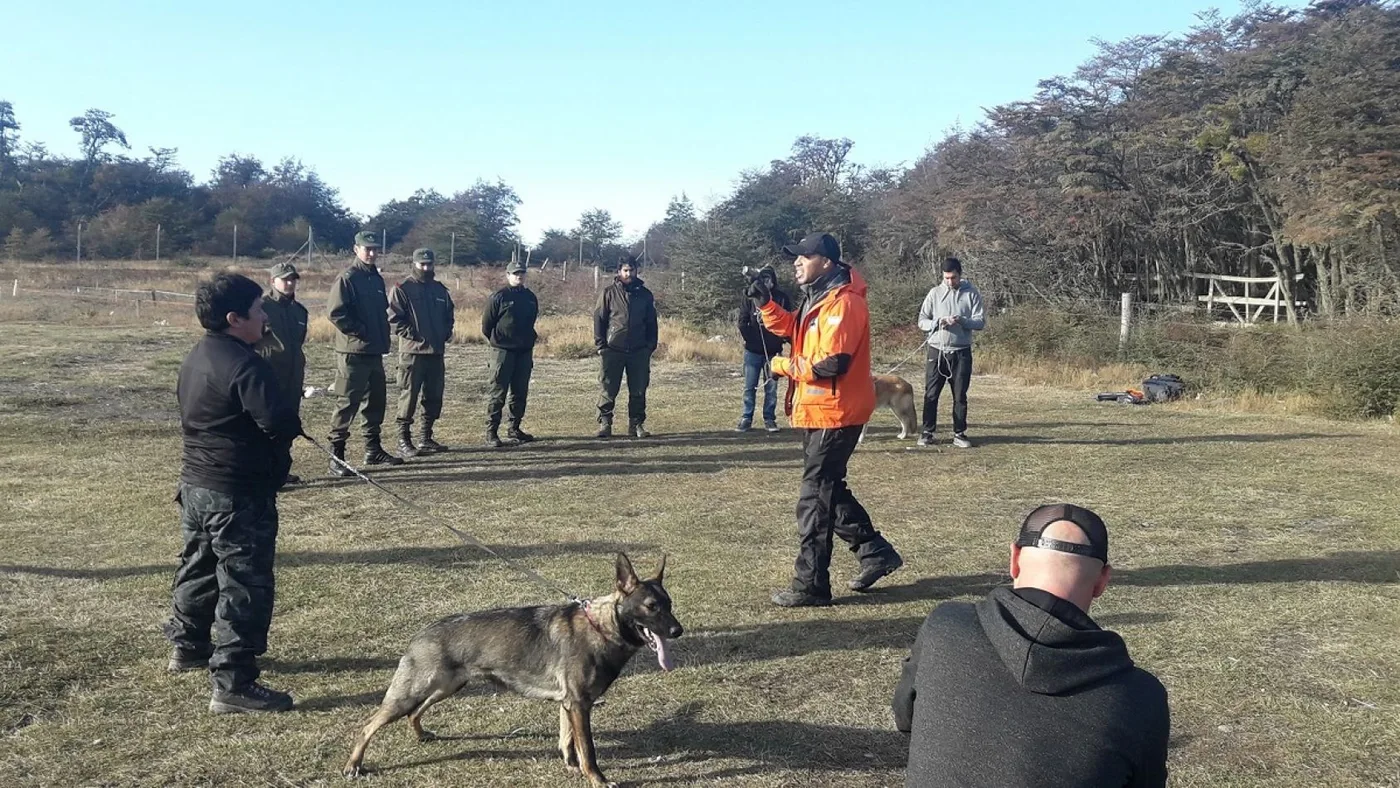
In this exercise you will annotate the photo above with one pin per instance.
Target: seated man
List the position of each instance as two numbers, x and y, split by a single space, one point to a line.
1023 688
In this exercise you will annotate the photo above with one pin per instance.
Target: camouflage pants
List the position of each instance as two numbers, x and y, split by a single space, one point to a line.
223 590
359 380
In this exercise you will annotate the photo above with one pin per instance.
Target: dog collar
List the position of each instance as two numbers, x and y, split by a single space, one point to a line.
588 613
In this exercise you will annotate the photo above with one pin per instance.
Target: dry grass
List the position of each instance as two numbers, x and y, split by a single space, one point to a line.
1257 558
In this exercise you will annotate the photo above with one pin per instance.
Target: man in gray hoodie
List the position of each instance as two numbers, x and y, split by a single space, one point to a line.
950 313
1023 688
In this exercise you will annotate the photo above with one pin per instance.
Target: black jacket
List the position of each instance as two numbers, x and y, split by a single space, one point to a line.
238 428
625 319
758 339
1024 689
423 316
283 344
508 322
359 308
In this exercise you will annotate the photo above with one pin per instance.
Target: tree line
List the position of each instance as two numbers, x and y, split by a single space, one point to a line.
1259 144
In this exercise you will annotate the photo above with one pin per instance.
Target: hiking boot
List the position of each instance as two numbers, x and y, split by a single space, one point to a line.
926 439
375 455
744 425
252 698
873 571
604 430
799 599
427 445
771 426
337 469
513 432
960 440
182 660
406 447
638 431
493 438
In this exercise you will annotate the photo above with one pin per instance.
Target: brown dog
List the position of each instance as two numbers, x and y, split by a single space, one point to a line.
569 654
895 393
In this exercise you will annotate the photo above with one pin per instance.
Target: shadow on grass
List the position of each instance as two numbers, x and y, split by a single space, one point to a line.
1377 566
993 440
438 557
772 745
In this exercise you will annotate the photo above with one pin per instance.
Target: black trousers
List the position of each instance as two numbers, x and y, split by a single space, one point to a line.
826 507
955 368
223 591
637 365
510 384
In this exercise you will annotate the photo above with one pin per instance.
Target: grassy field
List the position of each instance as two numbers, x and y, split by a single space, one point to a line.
1257 558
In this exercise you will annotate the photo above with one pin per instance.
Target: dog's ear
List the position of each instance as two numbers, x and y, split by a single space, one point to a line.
626 576
661 570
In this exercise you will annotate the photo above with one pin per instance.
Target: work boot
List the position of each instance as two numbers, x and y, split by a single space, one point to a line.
182 660
252 698
799 599
513 432
427 444
873 571
604 429
493 437
375 454
338 449
406 447
637 430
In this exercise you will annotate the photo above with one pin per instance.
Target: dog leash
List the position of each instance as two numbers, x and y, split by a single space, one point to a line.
467 539
902 361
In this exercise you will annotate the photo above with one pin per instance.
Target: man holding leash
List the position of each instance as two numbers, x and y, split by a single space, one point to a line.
238 430
423 316
760 344
950 313
283 342
830 397
359 309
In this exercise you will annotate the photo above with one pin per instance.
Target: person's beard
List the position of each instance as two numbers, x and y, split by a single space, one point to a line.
424 275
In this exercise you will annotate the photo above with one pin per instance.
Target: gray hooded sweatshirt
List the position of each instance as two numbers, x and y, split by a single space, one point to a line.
964 302
1024 689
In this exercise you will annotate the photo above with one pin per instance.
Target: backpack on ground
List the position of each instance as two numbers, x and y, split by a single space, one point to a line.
1163 388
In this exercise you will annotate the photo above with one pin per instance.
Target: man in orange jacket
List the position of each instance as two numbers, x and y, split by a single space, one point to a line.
830 397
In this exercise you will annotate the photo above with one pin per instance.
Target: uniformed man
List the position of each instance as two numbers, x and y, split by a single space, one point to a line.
359 309
238 431
422 314
625 334
283 341
508 323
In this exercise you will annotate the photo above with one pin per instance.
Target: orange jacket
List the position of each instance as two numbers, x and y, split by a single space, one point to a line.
829 368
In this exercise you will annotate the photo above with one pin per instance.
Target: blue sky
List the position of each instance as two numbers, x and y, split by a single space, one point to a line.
618 105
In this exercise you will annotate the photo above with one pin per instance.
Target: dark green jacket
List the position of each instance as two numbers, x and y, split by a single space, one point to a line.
359 308
422 315
283 343
509 320
625 319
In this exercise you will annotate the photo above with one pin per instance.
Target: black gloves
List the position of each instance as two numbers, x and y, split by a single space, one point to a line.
759 292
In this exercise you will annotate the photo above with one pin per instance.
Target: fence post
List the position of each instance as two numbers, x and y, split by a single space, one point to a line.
1126 323
15 293
682 281
595 275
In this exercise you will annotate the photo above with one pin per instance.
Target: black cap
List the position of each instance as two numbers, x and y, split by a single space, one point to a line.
1091 524
823 244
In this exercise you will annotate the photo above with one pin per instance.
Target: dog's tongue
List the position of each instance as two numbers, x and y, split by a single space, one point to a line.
663 657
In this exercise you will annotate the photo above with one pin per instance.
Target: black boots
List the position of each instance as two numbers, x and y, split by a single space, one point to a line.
337 468
406 447
604 429
493 437
518 435
637 430
427 444
375 454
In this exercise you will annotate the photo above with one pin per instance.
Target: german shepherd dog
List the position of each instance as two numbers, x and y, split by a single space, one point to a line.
895 393
569 654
